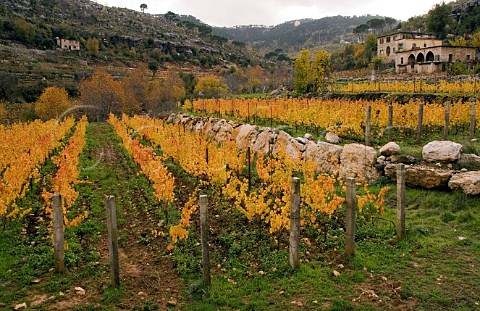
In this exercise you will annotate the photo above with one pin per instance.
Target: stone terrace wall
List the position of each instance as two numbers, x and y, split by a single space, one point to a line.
350 160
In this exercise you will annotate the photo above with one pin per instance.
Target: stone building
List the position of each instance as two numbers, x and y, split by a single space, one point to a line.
413 52
65 44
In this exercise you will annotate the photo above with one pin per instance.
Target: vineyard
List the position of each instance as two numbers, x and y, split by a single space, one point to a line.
157 172
346 118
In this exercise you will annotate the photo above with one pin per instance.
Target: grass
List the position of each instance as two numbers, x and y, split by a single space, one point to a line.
433 268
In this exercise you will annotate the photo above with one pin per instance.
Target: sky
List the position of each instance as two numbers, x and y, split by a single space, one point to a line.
274 12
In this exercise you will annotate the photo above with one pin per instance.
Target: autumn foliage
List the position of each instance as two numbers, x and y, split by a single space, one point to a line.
52 103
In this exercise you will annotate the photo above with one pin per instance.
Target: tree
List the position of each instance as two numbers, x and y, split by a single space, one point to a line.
8 85
302 66
153 66
255 77
311 75
459 42
439 19
163 94
189 82
211 86
143 6
475 40
135 86
24 31
93 45
52 103
106 95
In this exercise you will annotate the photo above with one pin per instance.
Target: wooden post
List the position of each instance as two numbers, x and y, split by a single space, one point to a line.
249 170
401 174
414 90
473 120
204 240
390 122
206 155
420 123
368 125
350 218
295 223
58 234
113 241
447 120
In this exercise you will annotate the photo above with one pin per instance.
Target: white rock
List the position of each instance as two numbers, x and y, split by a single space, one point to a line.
441 151
332 138
358 161
468 182
308 136
389 149
20 306
325 155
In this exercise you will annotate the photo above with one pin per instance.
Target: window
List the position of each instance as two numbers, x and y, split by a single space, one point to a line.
468 57
424 45
401 60
450 58
388 39
414 46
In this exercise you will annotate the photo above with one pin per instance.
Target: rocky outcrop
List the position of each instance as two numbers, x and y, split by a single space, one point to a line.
352 160
359 161
441 151
469 160
468 182
325 155
429 177
390 149
332 138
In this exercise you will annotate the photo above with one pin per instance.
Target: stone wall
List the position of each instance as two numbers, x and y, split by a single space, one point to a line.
350 160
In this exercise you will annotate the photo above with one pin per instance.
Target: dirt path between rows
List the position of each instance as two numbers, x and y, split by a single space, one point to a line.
147 275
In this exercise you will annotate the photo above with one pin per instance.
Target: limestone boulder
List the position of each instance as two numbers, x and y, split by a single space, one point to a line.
262 142
289 144
468 160
428 177
332 138
325 155
308 136
244 135
423 176
224 133
441 151
389 149
468 182
359 161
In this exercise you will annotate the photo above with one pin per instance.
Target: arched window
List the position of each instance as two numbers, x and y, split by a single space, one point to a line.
411 59
420 58
430 57
388 51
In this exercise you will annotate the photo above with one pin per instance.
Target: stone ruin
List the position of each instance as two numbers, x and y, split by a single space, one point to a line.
435 171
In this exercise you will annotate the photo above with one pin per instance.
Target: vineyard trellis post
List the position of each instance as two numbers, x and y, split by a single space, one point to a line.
390 122
204 240
401 176
473 118
249 170
368 125
58 233
113 241
295 223
447 120
420 123
350 218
